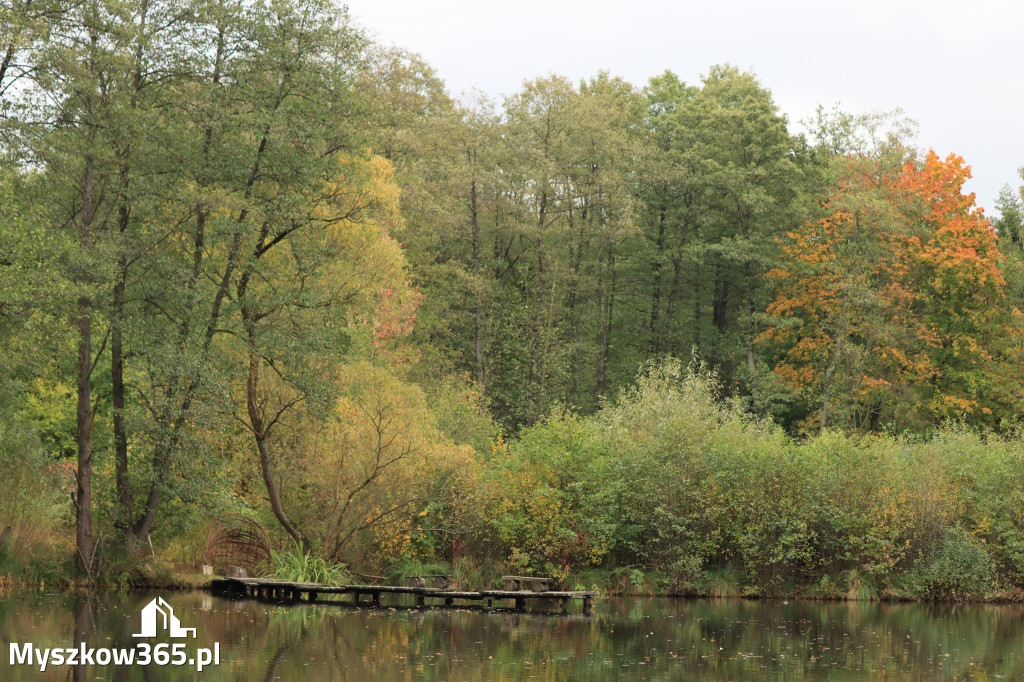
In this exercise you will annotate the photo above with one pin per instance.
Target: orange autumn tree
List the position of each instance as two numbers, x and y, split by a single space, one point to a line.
890 310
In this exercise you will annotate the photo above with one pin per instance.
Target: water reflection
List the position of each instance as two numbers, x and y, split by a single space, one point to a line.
83 626
636 639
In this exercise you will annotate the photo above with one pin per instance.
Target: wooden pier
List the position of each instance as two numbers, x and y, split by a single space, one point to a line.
283 591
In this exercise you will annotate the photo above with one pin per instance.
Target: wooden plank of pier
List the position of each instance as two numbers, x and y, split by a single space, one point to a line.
275 590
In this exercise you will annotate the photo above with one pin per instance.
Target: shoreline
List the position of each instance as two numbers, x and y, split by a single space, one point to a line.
189 582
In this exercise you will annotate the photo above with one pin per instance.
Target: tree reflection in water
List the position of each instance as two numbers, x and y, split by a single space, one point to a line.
653 639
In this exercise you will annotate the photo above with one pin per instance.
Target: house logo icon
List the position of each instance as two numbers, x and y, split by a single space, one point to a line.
171 623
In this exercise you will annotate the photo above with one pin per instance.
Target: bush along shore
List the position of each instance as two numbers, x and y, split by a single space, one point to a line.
667 491
691 495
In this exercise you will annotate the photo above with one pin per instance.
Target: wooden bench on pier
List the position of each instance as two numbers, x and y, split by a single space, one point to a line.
515 583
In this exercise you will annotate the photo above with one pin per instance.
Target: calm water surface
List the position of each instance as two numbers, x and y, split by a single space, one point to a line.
652 639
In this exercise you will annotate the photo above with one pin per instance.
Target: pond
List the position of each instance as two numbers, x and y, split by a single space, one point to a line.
653 639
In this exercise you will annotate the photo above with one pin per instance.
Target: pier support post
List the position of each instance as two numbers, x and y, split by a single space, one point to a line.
520 603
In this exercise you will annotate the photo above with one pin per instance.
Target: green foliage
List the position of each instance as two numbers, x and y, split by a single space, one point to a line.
406 568
472 574
851 585
1010 224
296 565
46 570
548 500
959 569
633 581
461 412
722 582
36 500
670 479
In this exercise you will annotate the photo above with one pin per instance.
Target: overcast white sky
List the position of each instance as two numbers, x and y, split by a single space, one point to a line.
956 68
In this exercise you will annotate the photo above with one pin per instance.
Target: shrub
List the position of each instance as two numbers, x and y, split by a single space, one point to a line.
406 568
301 567
959 569
671 478
35 501
723 582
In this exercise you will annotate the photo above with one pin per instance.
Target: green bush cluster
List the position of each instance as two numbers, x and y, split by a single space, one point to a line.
959 569
297 565
674 481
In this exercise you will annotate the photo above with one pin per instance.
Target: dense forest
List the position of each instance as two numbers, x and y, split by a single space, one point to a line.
648 336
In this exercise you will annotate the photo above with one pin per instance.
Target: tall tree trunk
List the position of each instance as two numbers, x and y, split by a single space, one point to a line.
536 380
478 334
124 493
579 352
748 304
655 344
875 414
259 427
720 321
670 307
720 305
582 270
698 309
83 493
601 379
83 497
126 512
172 423
836 354
698 302
11 48
260 432
5 64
